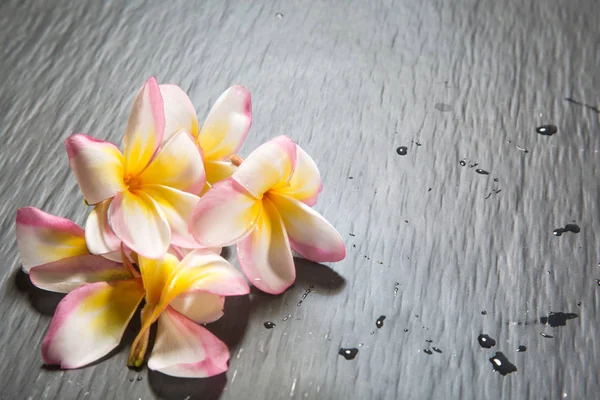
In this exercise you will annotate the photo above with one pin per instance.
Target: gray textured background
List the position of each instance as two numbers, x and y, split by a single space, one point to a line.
350 81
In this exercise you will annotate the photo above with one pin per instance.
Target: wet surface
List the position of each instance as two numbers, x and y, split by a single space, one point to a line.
486 341
547 130
574 228
501 364
350 84
348 354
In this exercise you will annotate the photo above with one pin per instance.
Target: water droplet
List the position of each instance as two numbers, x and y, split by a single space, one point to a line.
437 350
350 177
462 163
473 165
579 303
279 15
482 171
485 341
269 325
521 348
546 335
558 319
568 228
130 379
495 179
379 322
306 292
547 130
361 344
286 317
429 341
351 234
405 330
484 312
139 378
402 150
348 354
427 351
429 190
417 315
501 364
372 332
443 107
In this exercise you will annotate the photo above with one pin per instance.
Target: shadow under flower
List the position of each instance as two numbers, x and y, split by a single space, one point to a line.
43 301
312 279
324 278
169 387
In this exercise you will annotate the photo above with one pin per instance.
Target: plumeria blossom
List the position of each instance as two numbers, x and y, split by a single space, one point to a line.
223 132
265 207
54 253
104 295
145 195
180 292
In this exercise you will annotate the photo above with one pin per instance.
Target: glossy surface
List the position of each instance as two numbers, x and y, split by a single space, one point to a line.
350 81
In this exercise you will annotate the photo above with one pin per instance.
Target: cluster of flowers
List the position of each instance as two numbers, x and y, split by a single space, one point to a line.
162 210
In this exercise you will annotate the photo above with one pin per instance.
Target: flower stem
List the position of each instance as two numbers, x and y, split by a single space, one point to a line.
138 350
140 344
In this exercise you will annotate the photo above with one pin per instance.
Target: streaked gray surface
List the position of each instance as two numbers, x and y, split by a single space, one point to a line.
350 82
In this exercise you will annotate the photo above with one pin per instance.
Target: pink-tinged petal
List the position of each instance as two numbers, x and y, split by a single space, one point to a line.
140 223
98 167
178 164
217 171
224 215
99 237
113 256
44 238
89 322
206 271
265 255
270 165
201 307
310 234
180 114
227 124
184 251
145 128
186 349
177 207
65 275
305 183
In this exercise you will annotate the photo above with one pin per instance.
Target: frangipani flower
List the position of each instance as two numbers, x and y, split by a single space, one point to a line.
223 132
104 295
146 194
181 292
54 253
264 207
